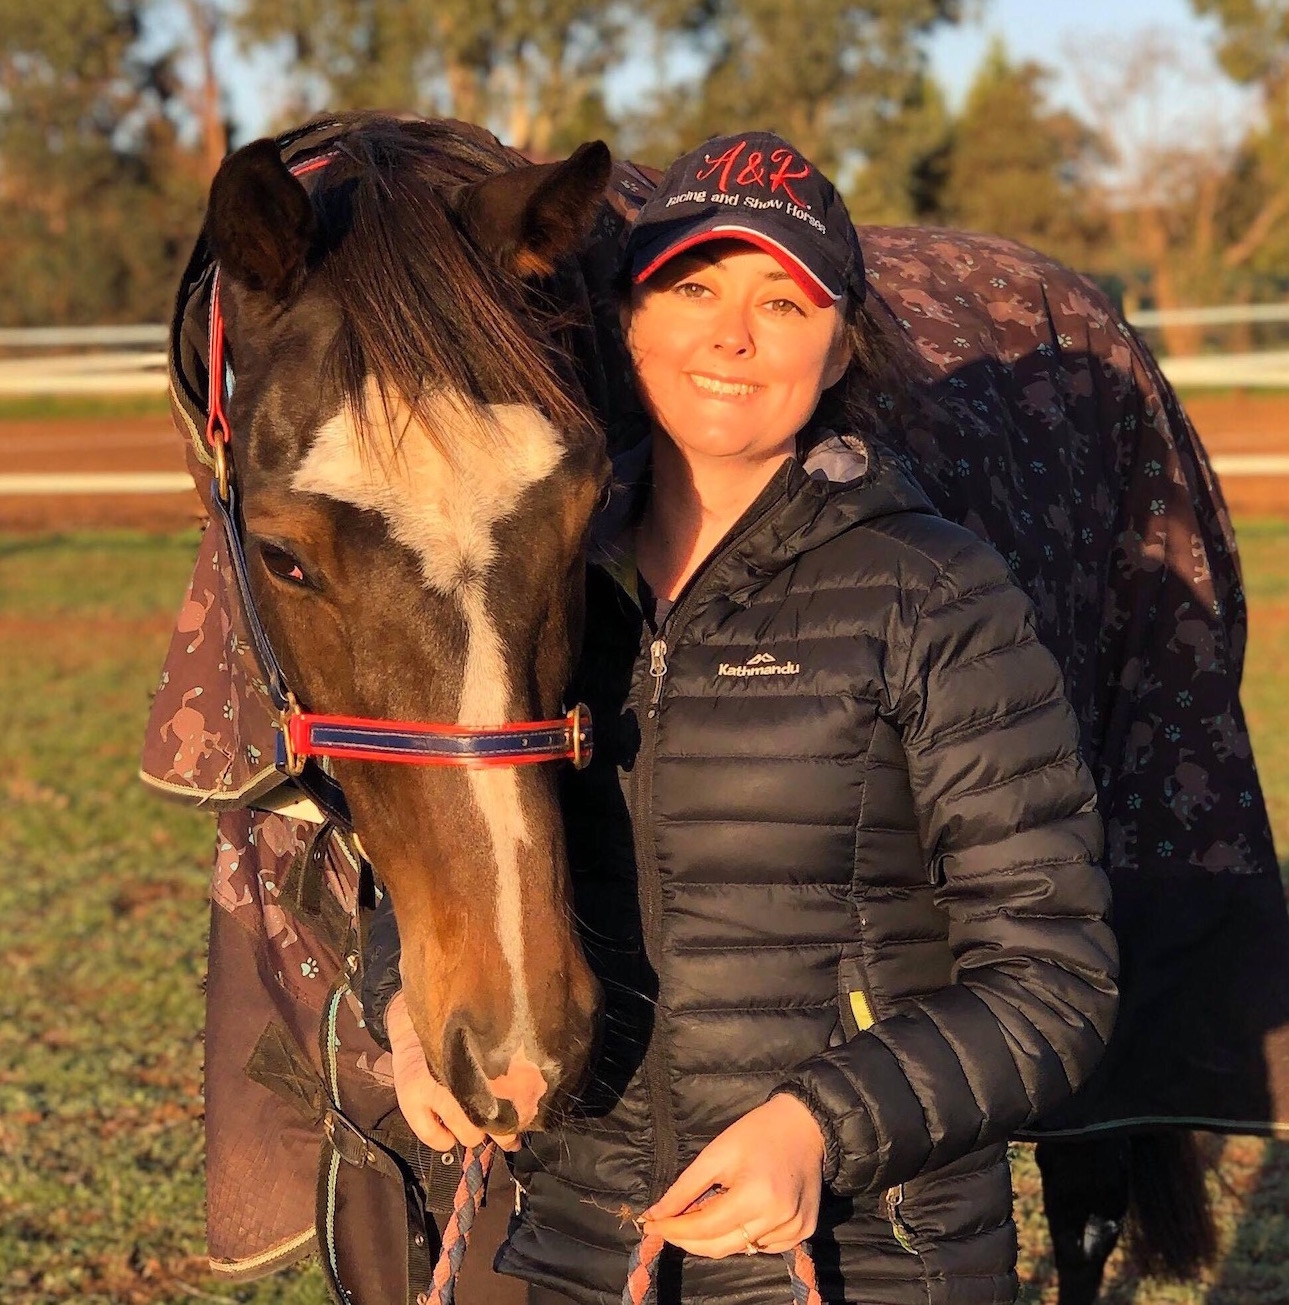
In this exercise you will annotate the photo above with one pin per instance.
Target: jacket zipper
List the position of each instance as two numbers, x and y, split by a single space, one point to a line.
658 670
666 1149
656 1070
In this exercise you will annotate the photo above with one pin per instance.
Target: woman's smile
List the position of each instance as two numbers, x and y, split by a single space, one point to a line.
723 389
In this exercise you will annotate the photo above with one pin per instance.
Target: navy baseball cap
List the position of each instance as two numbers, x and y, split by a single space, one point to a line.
758 188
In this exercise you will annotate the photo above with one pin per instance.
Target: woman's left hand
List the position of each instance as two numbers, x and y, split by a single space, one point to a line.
768 1171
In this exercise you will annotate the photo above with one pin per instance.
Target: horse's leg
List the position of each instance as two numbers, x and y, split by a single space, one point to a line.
1086 1186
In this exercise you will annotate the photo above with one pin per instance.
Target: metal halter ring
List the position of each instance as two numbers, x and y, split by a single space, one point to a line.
220 453
577 722
294 762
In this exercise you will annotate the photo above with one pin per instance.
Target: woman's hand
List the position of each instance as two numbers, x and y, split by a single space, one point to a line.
768 1171
431 1111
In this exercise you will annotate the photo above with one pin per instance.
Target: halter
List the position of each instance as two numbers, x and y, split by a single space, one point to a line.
306 735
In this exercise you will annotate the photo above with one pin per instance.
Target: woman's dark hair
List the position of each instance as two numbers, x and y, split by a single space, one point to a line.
885 383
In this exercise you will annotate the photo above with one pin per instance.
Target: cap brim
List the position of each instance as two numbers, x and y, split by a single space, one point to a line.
819 294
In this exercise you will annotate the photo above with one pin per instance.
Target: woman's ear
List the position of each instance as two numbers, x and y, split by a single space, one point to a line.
839 357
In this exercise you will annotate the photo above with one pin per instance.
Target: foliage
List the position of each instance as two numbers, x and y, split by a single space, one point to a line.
904 170
1254 50
99 198
826 74
1023 169
533 72
112 120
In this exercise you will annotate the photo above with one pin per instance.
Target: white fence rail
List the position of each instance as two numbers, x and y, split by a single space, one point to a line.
132 359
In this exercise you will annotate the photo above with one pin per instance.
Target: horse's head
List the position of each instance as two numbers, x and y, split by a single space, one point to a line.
416 475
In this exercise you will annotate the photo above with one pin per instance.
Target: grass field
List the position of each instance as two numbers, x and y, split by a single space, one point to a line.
104 897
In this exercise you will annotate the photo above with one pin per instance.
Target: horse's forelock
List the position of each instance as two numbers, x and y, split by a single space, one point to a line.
422 314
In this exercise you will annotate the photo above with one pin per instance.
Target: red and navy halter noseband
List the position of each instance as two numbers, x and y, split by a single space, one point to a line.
306 735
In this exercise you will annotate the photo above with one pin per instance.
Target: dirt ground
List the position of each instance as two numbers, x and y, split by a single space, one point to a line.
1227 423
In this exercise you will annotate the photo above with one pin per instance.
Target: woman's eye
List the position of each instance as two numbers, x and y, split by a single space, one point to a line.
278 562
690 289
784 307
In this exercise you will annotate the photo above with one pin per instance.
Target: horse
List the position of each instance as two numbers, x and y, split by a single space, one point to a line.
404 342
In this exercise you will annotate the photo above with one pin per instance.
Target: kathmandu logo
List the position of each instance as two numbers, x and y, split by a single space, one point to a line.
759 664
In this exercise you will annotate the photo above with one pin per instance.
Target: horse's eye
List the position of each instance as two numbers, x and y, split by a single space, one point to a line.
278 562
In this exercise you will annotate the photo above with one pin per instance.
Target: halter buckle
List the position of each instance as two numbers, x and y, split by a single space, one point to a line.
294 761
579 720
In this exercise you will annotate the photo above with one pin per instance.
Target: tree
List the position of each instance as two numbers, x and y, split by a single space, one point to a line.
1254 50
1169 171
903 175
100 194
1021 169
531 71
830 76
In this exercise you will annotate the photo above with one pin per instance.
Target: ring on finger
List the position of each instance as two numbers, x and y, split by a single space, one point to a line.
749 1246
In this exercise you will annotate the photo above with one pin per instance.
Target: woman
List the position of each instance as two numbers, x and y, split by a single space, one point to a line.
835 861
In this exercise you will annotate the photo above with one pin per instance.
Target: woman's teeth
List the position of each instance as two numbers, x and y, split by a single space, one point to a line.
713 386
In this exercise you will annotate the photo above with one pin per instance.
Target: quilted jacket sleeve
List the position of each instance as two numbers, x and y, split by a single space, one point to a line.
1007 817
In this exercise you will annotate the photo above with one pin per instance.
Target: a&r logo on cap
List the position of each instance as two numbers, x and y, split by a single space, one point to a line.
757 188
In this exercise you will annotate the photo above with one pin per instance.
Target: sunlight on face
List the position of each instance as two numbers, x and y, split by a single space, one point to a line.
731 355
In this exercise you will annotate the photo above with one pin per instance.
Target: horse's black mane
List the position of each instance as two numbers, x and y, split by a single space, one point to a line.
421 311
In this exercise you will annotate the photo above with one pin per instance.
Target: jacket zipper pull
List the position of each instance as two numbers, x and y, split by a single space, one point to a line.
895 1199
658 669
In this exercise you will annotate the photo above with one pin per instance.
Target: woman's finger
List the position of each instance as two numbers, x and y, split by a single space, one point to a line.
721 1247
715 1220
699 1184
428 1127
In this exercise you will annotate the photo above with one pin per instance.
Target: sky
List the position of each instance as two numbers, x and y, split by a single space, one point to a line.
1098 33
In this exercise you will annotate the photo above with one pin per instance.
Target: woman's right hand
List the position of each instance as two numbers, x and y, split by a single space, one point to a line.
431 1111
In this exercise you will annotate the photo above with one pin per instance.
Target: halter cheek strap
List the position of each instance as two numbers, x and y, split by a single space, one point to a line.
308 735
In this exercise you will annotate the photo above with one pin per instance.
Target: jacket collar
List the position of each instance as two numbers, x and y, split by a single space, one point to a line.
838 482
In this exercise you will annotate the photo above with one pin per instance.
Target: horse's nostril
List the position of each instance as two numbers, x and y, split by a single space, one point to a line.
522 1086
506 1103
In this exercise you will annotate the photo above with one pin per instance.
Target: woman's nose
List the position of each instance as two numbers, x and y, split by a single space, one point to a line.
732 332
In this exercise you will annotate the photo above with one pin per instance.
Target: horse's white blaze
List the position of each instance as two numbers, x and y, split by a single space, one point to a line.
443 496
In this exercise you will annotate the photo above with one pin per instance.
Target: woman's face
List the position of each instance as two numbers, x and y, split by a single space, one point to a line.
730 354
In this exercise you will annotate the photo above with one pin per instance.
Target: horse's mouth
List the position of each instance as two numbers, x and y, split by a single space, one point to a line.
504 1105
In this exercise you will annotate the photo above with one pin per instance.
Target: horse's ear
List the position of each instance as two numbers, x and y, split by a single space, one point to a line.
530 218
260 223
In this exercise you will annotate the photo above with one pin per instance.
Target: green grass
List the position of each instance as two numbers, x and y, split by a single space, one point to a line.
69 407
104 898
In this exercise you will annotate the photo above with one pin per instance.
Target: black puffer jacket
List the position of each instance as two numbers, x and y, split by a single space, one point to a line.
836 837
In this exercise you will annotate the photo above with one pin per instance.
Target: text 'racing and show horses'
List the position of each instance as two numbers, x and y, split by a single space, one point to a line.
397 366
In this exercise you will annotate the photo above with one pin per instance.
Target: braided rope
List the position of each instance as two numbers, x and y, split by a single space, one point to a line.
642 1274
465 1207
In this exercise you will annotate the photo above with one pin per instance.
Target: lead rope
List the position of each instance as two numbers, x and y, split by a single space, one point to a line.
642 1274
642 1268
475 1164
